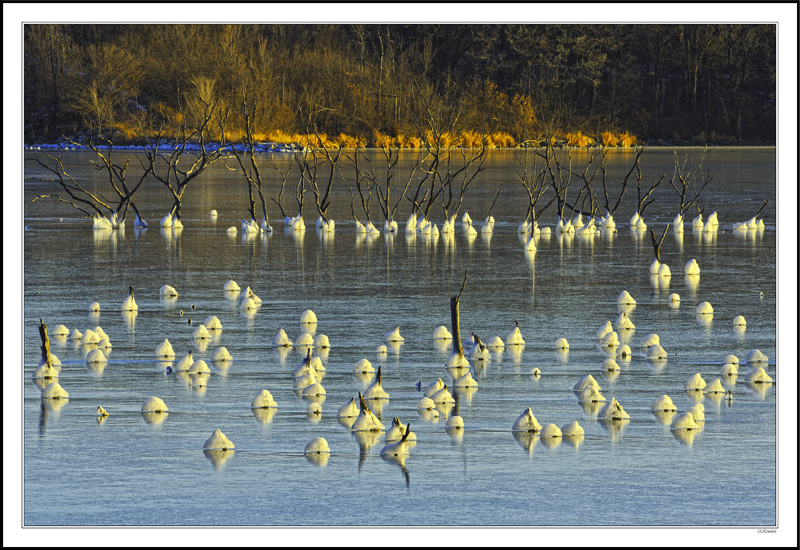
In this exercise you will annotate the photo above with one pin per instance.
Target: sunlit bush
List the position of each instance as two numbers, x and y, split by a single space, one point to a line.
401 140
627 140
279 136
472 139
346 142
448 139
412 142
502 139
381 140
609 139
578 139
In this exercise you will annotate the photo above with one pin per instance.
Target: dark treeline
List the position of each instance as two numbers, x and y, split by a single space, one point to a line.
696 83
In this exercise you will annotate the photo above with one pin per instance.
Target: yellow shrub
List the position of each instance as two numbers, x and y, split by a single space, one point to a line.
502 139
311 140
124 134
381 140
578 139
413 142
627 140
279 136
448 139
609 139
345 141
471 139
235 136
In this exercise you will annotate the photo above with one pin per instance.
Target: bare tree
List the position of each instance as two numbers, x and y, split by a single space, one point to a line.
364 184
639 151
559 183
657 267
533 181
391 157
435 121
105 213
322 197
643 197
445 169
685 180
170 157
301 159
471 164
562 176
248 167
488 225
284 176
597 162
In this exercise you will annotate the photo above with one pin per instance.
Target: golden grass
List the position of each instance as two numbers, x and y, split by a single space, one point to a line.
127 134
279 136
344 141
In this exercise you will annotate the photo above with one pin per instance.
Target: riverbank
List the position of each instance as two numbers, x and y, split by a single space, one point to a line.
271 147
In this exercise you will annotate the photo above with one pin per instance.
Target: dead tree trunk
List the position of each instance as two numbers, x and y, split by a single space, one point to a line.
658 242
392 156
321 198
247 165
454 319
45 343
454 322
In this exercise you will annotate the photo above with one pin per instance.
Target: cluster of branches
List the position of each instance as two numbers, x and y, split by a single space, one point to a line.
437 180
175 156
709 82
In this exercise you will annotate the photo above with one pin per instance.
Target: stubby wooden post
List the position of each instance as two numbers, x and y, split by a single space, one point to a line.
45 342
454 321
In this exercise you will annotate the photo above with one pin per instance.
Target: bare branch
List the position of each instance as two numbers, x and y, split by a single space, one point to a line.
463 285
763 206
685 177
657 243
496 194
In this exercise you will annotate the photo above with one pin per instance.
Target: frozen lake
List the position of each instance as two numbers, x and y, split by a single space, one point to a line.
123 471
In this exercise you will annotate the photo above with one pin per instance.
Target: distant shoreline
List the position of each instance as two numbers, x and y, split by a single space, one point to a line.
289 148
